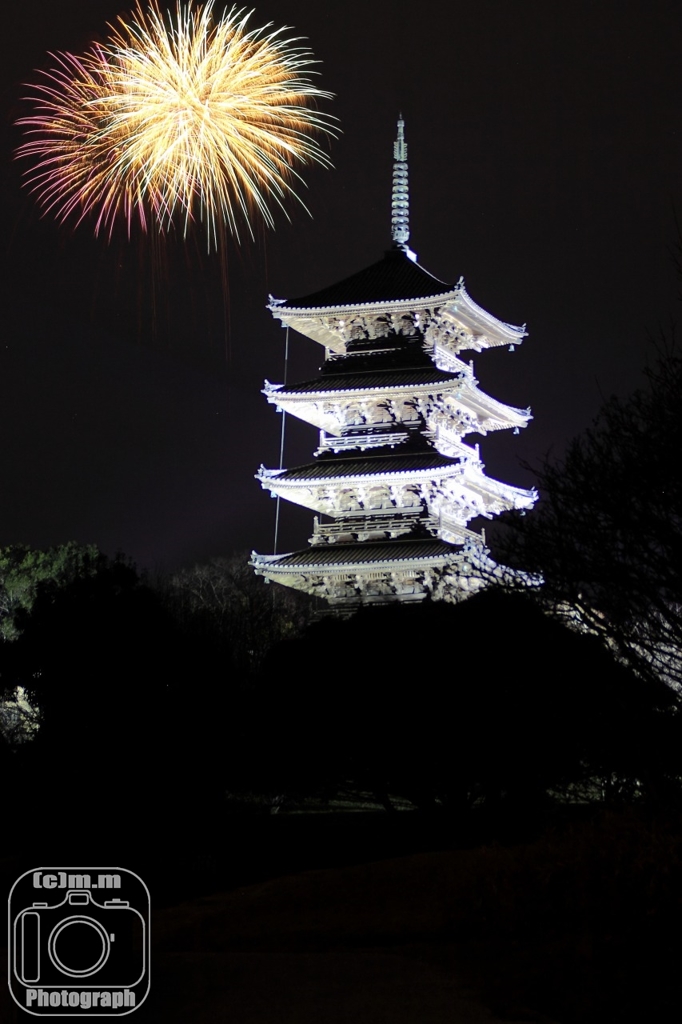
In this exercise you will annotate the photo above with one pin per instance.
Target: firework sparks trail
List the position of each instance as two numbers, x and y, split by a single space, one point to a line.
177 117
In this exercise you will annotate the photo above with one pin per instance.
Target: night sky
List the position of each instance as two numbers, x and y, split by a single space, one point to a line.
545 167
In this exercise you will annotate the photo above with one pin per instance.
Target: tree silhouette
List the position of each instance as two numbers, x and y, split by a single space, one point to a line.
25 570
237 607
607 536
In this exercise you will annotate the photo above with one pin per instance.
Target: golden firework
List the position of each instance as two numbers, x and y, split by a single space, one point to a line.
176 117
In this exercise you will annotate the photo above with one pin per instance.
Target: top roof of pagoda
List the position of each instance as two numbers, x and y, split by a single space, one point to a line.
395 278
395 286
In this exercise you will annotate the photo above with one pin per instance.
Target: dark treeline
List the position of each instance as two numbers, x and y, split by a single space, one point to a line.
185 696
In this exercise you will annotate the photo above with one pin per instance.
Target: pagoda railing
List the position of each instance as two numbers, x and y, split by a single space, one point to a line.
373 440
392 521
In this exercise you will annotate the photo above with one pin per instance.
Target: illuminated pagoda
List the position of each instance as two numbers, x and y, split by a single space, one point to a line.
393 484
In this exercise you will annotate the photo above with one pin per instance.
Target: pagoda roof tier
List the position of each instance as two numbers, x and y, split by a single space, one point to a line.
373 380
397 482
403 396
395 296
341 467
384 553
377 573
395 277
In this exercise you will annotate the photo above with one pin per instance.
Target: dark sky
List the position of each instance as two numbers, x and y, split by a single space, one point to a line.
545 165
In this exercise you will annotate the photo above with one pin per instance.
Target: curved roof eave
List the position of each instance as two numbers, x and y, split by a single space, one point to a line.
362 307
365 557
395 278
464 304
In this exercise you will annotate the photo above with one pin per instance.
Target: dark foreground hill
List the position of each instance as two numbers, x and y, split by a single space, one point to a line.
579 925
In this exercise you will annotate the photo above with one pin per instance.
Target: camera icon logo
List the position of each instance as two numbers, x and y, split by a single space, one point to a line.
73 951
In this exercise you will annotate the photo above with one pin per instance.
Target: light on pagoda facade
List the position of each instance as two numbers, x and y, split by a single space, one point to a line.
393 483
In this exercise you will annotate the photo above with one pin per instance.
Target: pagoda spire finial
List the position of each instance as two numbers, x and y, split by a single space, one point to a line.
400 195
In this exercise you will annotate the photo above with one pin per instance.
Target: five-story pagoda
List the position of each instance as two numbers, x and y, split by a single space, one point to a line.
393 484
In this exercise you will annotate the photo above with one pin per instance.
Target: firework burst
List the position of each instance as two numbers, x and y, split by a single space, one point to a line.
176 118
